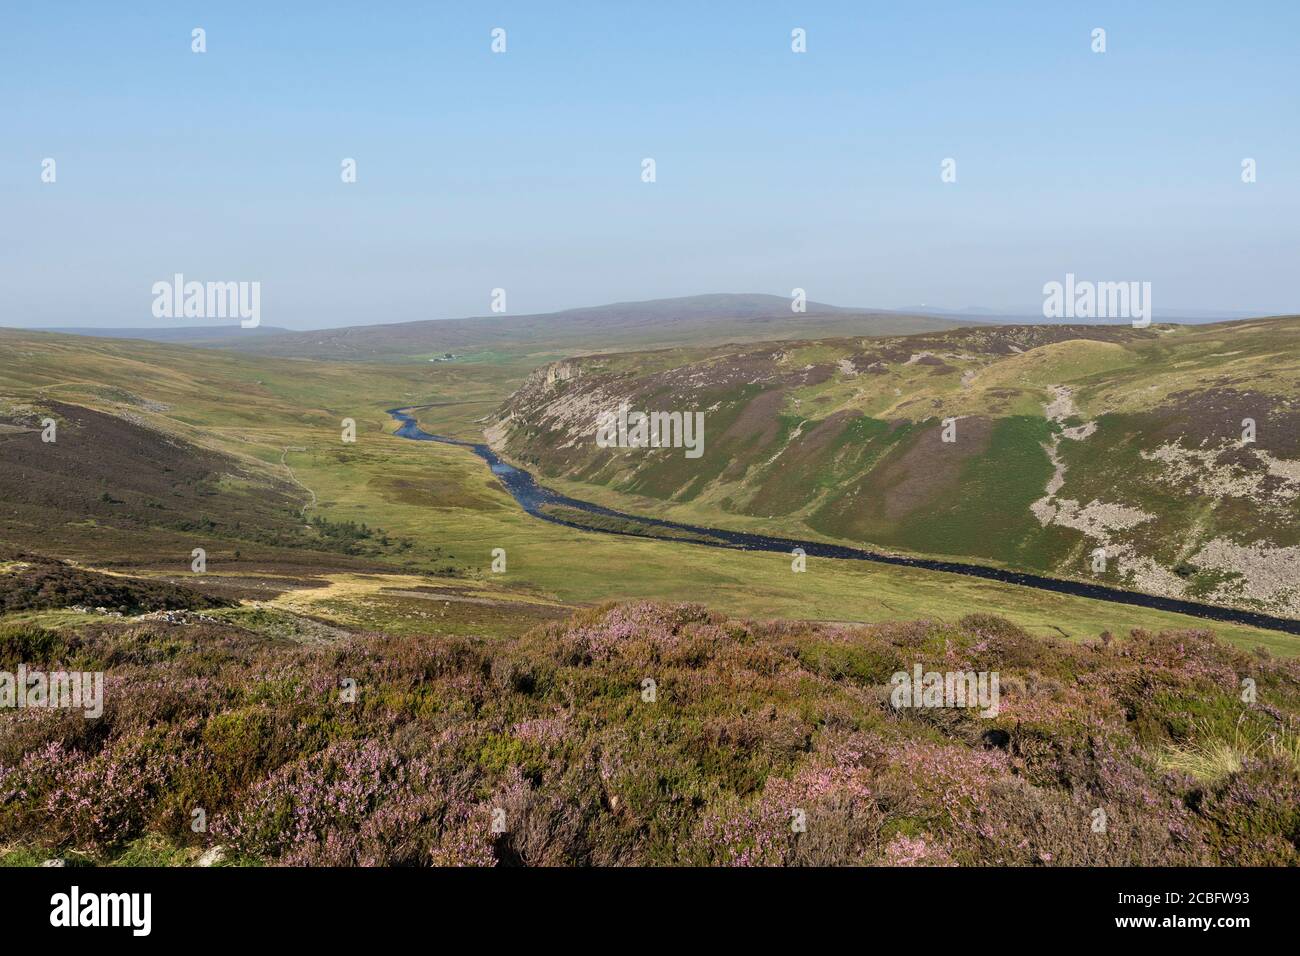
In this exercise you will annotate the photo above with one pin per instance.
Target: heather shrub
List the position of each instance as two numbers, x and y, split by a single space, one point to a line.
827 813
1254 817
98 800
30 644
311 810
749 722
856 661
39 582
993 641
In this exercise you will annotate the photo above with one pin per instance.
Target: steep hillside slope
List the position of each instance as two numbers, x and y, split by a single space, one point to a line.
109 488
158 449
1065 440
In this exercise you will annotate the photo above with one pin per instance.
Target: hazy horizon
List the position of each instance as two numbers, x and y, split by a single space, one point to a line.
1025 314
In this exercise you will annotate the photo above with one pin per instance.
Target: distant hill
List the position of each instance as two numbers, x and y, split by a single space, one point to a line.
1033 315
692 320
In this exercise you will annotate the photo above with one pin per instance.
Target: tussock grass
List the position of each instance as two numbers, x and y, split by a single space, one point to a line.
1215 757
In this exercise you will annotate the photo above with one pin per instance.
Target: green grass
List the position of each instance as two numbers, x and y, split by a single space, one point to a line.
147 851
801 468
456 513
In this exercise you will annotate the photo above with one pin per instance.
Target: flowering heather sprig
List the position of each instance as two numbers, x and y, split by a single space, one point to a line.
904 850
96 801
1191 656
656 626
304 807
541 730
760 833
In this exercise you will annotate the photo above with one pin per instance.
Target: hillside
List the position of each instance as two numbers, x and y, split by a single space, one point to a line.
1067 439
523 690
106 477
701 319
547 749
357 534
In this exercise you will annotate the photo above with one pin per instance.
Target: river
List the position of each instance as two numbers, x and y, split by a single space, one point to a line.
534 498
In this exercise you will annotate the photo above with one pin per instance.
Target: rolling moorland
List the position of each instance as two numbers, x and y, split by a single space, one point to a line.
699 319
1066 440
523 690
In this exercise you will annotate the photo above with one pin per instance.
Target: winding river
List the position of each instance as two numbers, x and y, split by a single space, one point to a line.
535 498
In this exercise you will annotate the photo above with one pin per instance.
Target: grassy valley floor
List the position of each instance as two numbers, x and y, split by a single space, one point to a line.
284 416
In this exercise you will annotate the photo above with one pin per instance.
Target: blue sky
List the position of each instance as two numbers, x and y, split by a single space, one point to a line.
522 170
